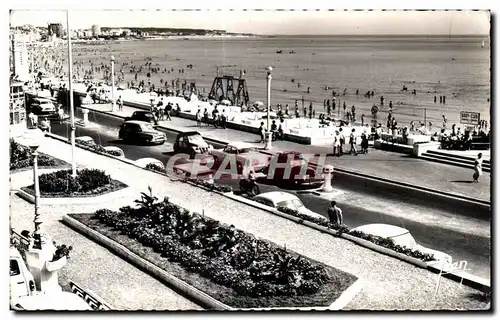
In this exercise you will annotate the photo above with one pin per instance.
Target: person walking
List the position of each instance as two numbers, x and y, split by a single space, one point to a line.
342 142
262 132
352 142
168 109
215 116
335 214
478 168
205 117
161 109
223 118
364 143
198 118
60 112
120 103
336 144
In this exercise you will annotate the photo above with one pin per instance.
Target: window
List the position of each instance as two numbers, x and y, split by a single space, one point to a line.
291 204
264 201
14 268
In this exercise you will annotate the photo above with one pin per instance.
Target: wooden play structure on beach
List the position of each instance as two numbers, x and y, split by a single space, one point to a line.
223 88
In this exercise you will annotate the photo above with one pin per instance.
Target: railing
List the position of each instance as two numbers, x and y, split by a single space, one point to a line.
92 299
21 242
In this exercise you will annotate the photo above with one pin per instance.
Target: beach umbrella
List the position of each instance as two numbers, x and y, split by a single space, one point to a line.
258 104
225 102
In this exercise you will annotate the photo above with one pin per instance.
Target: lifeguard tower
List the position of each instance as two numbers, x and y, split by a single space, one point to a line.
224 86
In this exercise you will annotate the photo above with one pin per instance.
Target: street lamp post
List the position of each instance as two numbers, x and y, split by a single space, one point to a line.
71 106
38 221
113 107
269 133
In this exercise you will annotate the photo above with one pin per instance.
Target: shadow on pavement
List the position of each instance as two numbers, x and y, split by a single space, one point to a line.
462 181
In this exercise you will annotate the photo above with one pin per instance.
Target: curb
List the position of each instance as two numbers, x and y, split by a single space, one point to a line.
148 267
486 204
480 283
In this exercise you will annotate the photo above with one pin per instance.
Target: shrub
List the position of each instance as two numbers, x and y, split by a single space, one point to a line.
154 167
384 242
22 157
97 147
62 182
227 256
212 186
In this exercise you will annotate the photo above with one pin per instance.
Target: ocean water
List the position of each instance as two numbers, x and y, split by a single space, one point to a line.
456 67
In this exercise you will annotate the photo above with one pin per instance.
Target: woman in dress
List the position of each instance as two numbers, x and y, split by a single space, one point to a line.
478 167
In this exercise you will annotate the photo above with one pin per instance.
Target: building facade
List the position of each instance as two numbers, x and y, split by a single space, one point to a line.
96 30
57 29
17 104
20 59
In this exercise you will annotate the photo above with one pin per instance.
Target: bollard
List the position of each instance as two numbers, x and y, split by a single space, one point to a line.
328 174
85 116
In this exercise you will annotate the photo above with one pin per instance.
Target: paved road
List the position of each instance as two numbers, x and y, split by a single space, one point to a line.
468 241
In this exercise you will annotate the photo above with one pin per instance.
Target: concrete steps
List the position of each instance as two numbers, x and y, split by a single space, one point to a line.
453 159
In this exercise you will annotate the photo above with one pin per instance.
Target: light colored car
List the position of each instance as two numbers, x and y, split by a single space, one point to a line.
42 106
54 301
402 237
242 151
22 283
277 199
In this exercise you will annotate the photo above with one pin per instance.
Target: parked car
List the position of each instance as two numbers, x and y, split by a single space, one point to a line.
22 283
402 237
243 152
191 143
145 116
53 301
277 199
42 106
140 131
295 166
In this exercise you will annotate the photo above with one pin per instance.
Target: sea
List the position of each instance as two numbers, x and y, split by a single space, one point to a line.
457 67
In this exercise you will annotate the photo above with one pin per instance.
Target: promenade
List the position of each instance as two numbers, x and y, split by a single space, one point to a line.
388 282
378 163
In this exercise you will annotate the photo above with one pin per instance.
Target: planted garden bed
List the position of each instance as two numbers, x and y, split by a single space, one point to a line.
97 147
21 158
88 183
228 264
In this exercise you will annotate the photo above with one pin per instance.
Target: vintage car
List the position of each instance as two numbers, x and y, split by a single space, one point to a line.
145 116
243 152
402 237
276 199
22 283
191 143
140 131
42 106
277 177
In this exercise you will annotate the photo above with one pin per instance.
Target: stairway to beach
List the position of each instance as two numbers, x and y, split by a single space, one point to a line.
465 161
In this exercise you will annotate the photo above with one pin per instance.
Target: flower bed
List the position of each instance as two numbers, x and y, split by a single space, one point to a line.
232 266
98 147
383 242
88 182
211 186
22 157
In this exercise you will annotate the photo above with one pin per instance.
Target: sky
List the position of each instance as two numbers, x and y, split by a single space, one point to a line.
271 21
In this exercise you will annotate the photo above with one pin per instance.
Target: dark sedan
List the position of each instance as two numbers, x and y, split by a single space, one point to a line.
140 131
145 116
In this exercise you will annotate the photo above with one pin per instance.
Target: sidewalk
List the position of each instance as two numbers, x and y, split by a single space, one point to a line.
389 165
388 282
